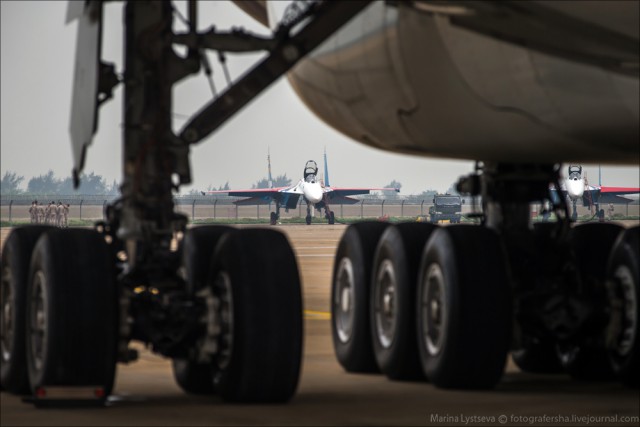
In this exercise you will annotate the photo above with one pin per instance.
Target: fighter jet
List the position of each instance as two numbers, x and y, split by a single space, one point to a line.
314 191
575 188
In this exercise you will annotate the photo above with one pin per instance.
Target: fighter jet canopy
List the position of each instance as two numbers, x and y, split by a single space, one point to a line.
310 170
575 172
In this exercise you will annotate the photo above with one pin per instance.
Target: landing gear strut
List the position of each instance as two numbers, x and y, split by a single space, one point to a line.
275 216
331 218
328 213
574 211
308 217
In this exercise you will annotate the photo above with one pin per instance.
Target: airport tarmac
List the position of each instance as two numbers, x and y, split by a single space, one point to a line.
146 394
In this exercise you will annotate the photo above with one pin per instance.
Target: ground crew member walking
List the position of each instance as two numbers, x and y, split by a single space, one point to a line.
47 214
65 215
59 214
610 211
40 214
33 212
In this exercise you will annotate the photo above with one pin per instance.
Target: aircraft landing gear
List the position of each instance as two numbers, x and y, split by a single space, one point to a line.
331 218
275 216
586 358
71 338
191 374
328 213
565 305
395 269
308 217
461 272
574 211
230 349
255 326
16 257
350 296
228 314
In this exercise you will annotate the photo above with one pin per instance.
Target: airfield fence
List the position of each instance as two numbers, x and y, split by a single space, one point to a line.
15 208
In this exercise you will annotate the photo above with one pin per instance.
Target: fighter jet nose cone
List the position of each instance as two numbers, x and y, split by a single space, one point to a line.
313 192
315 197
575 188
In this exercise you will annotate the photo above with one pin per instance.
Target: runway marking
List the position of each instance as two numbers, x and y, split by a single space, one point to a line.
317 315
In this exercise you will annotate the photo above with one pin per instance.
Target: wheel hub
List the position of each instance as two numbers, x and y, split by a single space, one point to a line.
38 320
385 303
346 301
344 304
433 310
6 321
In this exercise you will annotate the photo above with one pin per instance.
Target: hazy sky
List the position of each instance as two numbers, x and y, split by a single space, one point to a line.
36 76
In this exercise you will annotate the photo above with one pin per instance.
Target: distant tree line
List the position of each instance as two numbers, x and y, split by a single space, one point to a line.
90 183
279 181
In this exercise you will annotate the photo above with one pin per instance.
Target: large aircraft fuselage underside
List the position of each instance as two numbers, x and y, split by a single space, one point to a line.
403 78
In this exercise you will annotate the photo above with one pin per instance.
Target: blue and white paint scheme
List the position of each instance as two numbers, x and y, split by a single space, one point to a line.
310 189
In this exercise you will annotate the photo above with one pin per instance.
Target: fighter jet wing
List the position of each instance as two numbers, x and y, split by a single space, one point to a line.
268 192
342 192
608 194
254 192
341 200
286 196
619 191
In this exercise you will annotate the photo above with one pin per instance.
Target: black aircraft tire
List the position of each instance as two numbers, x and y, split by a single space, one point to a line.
255 277
351 280
332 217
273 218
393 290
308 219
72 312
591 362
464 308
16 257
624 288
198 247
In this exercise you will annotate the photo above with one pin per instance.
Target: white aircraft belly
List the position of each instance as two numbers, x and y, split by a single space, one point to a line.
312 192
575 188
